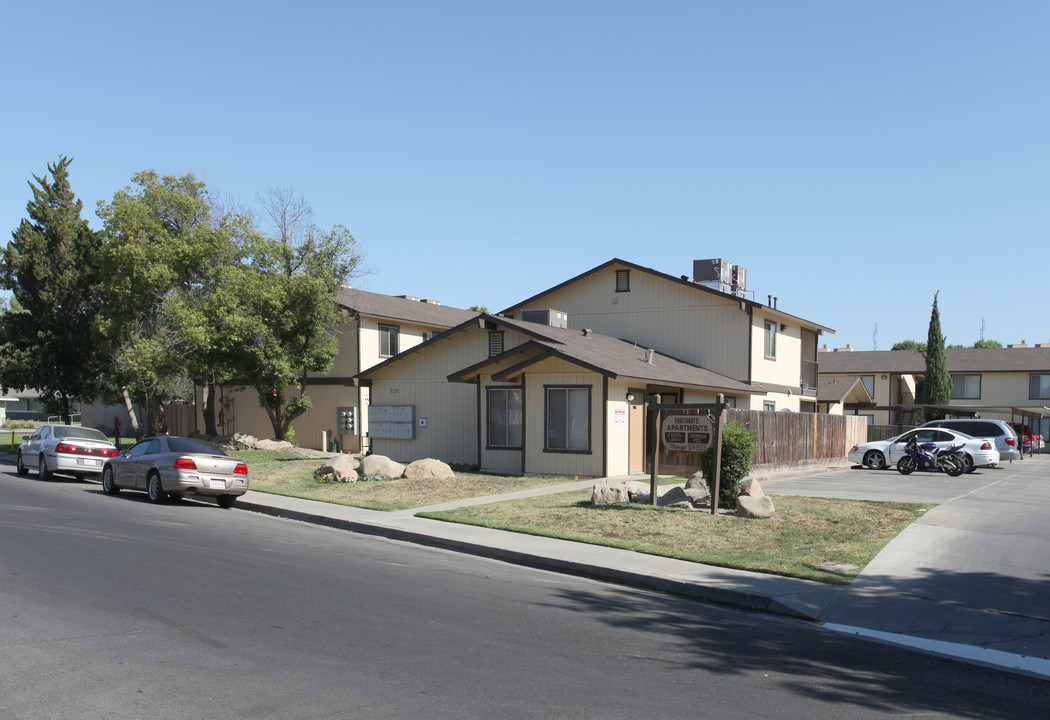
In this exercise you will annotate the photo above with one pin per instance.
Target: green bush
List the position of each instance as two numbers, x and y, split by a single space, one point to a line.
738 449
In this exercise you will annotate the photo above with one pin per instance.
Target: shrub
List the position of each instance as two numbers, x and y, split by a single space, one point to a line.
738 449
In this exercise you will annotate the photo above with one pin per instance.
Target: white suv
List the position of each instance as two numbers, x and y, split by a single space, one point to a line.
1005 438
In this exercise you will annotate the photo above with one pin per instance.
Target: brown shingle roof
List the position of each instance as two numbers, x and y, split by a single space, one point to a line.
391 307
867 362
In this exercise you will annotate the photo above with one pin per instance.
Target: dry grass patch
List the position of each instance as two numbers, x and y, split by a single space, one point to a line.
805 535
290 474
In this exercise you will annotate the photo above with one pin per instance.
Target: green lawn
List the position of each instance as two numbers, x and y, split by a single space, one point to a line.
805 534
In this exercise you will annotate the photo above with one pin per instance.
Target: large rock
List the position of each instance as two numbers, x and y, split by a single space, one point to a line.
248 441
282 445
758 508
428 468
637 490
341 468
696 480
382 466
750 486
676 497
609 493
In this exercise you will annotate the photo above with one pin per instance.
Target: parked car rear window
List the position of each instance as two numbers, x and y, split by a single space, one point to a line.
977 429
185 445
73 431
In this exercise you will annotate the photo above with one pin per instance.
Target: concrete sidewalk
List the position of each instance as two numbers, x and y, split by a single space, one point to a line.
910 594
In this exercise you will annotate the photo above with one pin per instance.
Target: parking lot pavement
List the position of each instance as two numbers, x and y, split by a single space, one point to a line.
972 570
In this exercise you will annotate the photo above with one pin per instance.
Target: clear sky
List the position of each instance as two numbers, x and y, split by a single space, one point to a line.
855 157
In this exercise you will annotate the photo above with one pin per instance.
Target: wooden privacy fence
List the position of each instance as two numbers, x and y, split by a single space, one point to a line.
785 438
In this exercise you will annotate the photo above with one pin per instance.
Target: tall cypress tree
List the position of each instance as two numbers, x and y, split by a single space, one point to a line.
937 383
51 267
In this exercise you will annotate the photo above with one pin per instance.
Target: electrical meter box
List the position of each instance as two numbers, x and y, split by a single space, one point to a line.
346 420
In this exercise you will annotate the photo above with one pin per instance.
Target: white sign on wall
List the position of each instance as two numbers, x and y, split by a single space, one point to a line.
393 422
687 433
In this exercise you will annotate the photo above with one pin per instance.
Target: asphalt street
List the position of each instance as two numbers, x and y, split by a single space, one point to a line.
111 607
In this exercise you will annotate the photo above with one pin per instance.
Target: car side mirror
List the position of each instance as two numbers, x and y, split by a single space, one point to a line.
26 437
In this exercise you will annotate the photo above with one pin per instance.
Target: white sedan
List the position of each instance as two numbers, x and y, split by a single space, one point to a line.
66 449
881 454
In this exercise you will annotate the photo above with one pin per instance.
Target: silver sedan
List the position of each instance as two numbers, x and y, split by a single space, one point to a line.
65 449
176 466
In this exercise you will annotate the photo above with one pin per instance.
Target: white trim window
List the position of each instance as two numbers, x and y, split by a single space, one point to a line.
568 419
504 417
771 340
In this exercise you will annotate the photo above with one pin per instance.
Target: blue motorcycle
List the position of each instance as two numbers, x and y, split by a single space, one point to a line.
929 457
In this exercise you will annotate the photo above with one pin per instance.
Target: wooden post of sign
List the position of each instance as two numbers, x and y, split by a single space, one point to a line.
655 441
717 459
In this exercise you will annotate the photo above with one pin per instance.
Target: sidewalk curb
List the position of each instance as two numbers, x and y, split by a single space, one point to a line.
693 590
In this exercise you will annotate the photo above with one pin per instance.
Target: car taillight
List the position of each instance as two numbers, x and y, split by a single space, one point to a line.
71 449
1010 441
241 469
987 445
185 464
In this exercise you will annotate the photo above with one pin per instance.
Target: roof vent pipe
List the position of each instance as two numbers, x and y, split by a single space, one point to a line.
769 300
775 303
649 355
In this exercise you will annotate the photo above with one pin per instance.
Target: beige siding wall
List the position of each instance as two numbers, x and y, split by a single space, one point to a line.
692 325
409 336
345 363
420 380
1007 389
786 368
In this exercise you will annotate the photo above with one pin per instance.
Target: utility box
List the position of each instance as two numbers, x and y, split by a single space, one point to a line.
346 420
716 270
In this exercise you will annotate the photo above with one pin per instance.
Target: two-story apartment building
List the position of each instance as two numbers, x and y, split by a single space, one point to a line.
377 327
560 382
1011 383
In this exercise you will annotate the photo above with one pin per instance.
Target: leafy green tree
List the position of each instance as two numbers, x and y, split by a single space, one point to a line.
51 266
985 344
478 309
937 385
279 304
164 255
913 345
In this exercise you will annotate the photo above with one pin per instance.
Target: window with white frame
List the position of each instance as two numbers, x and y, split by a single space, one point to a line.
569 419
504 417
771 340
768 406
966 387
1039 387
388 340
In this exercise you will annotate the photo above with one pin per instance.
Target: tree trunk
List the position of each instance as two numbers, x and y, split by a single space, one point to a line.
208 401
130 407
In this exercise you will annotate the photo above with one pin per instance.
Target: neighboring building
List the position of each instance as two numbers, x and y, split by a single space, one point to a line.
26 405
1011 383
560 383
836 393
378 327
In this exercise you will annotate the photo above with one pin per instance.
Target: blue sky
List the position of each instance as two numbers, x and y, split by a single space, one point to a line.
855 157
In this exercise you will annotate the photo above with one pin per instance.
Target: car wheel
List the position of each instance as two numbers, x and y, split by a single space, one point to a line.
969 467
22 469
875 460
226 501
42 470
109 483
154 489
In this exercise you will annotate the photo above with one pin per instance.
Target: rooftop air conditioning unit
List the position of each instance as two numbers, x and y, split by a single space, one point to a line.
739 279
551 318
713 271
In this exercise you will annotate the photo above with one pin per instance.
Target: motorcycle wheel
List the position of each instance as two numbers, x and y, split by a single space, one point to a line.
906 465
954 468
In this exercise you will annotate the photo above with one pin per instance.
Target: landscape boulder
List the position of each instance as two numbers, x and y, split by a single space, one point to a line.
381 466
609 493
696 480
751 487
428 468
758 508
248 441
341 468
677 497
282 445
